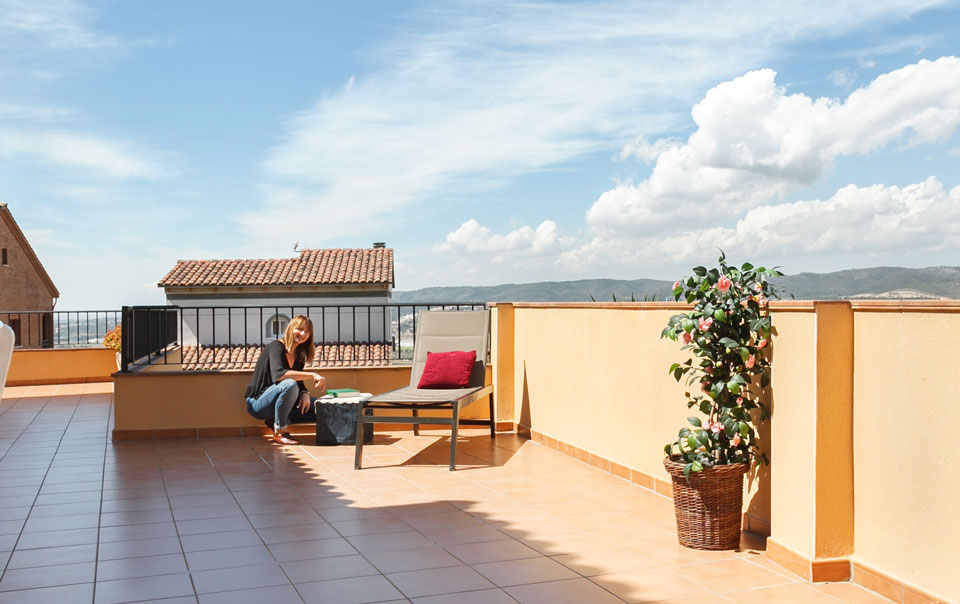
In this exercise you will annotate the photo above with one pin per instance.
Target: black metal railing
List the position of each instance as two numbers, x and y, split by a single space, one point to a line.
60 328
231 337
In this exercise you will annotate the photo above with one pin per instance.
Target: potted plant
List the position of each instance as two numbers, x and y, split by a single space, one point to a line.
112 340
727 333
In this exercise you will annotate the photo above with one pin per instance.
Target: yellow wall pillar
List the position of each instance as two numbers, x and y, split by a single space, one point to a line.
812 447
502 359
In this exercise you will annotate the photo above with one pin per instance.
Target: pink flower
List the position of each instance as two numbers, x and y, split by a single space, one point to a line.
724 283
676 284
736 440
762 343
739 400
705 324
761 299
715 427
686 337
757 286
751 361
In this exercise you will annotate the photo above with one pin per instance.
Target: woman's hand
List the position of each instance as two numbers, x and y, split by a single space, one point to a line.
320 382
304 402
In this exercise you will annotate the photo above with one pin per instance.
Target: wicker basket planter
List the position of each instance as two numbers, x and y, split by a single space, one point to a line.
709 505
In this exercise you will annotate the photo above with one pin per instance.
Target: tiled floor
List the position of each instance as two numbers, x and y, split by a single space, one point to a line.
236 520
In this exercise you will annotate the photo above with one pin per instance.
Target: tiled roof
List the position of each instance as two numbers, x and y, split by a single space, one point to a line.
312 267
359 354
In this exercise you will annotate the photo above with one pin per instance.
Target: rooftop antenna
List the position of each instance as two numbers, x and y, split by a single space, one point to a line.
296 246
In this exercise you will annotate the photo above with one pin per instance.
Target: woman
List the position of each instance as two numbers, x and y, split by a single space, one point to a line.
277 383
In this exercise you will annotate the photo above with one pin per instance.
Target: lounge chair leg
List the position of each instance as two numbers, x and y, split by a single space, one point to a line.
359 447
416 426
454 424
493 418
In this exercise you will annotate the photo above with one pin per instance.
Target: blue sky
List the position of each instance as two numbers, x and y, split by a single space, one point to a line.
486 143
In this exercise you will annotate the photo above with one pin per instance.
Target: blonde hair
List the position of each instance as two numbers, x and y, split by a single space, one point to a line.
303 352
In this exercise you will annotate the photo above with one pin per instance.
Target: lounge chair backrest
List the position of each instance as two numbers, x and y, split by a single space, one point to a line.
444 331
6 353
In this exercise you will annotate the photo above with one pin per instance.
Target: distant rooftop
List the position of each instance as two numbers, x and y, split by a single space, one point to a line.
312 267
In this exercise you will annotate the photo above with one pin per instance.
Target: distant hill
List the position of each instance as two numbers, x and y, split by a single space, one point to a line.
884 282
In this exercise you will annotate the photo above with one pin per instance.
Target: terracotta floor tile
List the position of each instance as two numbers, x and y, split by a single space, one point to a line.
850 593
133 532
430 582
64 594
492 551
730 575
485 596
370 526
129 568
241 577
527 570
605 561
143 588
571 591
208 541
138 548
281 594
431 556
306 550
650 585
322 569
794 593
357 590
67 554
226 558
212 525
47 576
303 532
389 542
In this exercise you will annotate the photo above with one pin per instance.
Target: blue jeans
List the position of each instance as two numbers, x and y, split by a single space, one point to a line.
276 402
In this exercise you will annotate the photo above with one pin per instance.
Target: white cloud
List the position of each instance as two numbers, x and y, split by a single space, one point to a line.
100 155
34 113
754 143
59 24
843 78
466 100
874 220
473 238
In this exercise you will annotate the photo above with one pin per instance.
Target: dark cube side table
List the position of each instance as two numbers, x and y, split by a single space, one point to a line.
337 421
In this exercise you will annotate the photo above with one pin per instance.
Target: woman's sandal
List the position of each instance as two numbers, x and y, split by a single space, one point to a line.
283 438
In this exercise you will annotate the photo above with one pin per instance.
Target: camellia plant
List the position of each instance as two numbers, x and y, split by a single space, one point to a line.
727 333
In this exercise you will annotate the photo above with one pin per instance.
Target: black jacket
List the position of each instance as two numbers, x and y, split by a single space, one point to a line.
270 368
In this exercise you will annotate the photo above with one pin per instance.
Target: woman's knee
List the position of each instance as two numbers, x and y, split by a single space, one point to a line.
287 384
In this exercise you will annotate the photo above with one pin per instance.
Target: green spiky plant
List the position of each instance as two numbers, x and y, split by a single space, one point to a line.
726 333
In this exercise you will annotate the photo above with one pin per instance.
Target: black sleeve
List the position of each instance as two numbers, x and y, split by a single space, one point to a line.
278 361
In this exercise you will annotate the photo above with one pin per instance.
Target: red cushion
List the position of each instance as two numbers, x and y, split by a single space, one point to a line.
448 369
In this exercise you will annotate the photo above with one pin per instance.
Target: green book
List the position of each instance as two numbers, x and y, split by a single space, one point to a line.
338 392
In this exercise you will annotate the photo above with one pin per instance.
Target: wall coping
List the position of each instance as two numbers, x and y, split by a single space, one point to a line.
948 306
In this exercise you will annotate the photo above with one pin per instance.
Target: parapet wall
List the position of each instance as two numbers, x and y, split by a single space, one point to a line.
860 484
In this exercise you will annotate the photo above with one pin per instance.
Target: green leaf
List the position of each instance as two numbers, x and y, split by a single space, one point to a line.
744 429
700 271
667 449
695 466
692 442
684 432
694 421
686 470
746 266
705 407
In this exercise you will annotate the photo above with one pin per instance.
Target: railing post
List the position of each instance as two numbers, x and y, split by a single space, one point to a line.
124 339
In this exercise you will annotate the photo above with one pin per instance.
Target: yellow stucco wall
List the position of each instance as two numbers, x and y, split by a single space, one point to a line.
165 400
61 366
906 464
792 430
